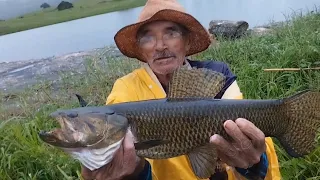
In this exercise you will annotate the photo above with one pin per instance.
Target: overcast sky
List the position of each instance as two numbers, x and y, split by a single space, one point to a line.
15 8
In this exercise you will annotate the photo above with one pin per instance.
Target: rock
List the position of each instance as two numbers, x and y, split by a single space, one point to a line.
265 29
259 31
64 5
273 25
18 75
45 5
227 28
101 2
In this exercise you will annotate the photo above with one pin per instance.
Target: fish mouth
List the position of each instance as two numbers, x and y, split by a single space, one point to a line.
54 137
85 129
66 136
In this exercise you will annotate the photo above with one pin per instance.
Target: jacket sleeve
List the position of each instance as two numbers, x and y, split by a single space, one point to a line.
121 93
146 173
268 167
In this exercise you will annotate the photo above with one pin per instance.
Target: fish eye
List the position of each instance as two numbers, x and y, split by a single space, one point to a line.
109 113
72 115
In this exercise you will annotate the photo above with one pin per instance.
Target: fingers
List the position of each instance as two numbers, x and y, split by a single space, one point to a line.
252 132
124 163
235 161
246 146
223 146
130 159
239 138
128 146
257 139
227 152
128 141
252 154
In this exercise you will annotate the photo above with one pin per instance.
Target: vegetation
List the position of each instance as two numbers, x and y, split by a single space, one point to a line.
295 44
81 9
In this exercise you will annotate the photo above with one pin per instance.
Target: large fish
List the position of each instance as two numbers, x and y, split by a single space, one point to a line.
182 123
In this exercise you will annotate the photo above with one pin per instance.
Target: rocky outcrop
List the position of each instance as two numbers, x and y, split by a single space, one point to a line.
64 5
45 5
259 31
236 29
227 28
17 75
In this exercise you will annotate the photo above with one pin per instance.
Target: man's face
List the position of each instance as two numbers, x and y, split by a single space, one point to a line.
164 45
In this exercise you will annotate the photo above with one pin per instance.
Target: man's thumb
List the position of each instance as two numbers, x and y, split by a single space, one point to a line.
128 141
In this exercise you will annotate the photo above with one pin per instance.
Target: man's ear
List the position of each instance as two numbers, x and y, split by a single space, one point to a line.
187 43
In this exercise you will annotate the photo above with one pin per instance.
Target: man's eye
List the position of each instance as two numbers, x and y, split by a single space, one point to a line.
172 34
146 39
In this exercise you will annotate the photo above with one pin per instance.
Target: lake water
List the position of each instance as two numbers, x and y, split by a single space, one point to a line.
98 31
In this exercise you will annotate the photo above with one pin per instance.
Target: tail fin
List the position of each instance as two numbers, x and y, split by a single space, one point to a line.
303 112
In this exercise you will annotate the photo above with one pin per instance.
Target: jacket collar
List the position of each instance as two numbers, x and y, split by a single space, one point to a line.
154 77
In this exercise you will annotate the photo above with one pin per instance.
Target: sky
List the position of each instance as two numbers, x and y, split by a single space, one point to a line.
15 8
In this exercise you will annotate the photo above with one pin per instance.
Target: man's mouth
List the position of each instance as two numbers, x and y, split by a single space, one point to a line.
163 58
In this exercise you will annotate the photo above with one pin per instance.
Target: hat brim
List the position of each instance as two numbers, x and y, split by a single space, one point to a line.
126 40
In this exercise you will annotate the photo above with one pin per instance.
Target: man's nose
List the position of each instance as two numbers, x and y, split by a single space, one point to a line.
160 44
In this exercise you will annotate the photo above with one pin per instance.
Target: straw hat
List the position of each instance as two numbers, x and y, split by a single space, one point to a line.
169 10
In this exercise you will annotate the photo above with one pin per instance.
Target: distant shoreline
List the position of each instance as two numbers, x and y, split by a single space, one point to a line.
20 74
50 16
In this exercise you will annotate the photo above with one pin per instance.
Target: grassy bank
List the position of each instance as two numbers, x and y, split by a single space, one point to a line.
296 44
81 9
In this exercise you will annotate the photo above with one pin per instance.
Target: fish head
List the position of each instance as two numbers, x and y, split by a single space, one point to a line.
79 130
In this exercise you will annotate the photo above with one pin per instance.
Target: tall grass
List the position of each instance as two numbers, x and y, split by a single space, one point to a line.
296 44
22 154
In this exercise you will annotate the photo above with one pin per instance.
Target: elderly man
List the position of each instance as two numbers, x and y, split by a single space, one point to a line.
164 36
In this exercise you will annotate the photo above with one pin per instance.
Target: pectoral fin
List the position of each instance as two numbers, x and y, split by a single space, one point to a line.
149 144
203 161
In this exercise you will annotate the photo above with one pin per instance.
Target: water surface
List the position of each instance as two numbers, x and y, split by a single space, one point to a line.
98 31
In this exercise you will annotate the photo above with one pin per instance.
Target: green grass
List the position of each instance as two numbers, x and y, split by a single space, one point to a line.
81 9
296 44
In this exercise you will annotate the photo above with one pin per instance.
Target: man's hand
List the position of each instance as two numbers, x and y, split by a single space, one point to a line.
125 164
247 146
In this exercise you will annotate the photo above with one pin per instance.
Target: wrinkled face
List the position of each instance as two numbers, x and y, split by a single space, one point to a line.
164 45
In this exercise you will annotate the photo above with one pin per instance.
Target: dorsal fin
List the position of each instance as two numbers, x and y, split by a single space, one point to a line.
195 83
82 102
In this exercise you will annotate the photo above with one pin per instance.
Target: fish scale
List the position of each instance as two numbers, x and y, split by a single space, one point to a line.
190 123
183 122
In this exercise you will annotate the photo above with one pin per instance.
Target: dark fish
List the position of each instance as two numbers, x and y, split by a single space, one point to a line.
182 123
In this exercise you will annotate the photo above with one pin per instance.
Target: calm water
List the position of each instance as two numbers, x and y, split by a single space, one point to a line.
98 31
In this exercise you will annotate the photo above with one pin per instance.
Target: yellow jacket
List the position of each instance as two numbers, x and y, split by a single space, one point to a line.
142 84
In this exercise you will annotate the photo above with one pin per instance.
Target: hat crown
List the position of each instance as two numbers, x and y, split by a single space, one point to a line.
153 6
168 10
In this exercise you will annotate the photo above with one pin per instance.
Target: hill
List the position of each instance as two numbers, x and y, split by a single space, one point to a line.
81 9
